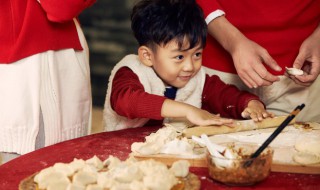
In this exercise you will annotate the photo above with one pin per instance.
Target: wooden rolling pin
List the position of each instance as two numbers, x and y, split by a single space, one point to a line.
240 125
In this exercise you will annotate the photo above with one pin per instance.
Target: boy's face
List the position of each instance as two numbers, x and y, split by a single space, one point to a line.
177 66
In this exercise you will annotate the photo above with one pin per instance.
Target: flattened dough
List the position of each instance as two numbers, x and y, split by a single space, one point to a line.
308 148
305 158
308 143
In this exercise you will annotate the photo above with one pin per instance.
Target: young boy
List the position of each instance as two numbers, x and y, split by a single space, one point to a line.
165 79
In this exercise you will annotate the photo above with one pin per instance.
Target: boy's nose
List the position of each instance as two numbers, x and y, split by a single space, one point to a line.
188 66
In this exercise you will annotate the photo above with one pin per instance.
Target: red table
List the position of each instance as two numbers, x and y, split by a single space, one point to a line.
118 143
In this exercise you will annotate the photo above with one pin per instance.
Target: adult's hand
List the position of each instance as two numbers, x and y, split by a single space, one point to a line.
249 60
249 57
308 60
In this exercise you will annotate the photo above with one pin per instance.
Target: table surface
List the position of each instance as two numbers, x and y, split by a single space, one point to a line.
118 143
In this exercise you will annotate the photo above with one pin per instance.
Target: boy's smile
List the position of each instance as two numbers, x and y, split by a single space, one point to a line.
174 65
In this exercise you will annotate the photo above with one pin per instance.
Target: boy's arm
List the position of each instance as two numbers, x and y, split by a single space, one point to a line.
64 10
197 116
225 99
129 99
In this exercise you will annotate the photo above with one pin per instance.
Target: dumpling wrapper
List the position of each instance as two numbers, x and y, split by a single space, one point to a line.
294 71
306 158
309 144
308 150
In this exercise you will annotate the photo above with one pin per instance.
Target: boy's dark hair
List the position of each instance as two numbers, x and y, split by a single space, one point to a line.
160 21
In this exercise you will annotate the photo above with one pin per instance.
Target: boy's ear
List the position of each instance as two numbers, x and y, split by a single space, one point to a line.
145 55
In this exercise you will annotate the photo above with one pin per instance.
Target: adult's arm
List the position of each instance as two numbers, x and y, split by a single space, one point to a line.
248 57
64 10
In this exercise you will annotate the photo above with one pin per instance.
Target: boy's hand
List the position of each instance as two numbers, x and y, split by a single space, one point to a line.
201 117
197 116
256 111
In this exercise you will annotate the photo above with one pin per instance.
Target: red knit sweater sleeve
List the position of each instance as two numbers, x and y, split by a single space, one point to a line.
224 99
129 99
64 10
208 6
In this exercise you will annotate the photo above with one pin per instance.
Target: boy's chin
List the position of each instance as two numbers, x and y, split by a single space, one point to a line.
180 85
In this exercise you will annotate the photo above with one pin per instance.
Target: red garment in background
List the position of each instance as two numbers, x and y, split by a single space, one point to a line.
278 26
28 27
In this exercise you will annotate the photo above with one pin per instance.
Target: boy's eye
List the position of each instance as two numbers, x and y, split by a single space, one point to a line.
198 54
179 57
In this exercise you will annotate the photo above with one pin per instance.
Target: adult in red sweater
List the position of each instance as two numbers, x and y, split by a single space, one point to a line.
44 74
251 43
166 79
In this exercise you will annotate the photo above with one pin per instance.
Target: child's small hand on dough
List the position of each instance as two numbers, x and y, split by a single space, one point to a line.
256 111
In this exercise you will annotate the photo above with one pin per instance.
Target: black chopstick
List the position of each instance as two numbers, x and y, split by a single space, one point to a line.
275 133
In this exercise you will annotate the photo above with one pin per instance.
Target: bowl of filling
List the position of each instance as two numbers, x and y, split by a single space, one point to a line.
231 164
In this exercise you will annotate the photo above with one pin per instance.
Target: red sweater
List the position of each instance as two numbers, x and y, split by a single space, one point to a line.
129 99
280 26
28 27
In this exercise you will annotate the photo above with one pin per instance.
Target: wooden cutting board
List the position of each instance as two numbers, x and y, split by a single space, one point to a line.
281 153
202 162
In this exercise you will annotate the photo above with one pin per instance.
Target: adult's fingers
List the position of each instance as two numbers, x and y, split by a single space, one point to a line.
266 77
311 73
250 77
299 61
304 80
269 61
245 77
260 76
299 80
254 80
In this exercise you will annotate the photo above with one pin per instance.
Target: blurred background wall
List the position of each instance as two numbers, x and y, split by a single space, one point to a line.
106 26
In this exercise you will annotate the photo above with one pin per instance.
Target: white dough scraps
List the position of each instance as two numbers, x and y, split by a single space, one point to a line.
165 141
